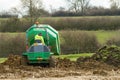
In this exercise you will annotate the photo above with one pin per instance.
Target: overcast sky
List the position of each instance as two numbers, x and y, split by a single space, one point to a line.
7 4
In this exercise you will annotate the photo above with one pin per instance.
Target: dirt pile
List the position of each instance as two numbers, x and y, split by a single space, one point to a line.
106 58
13 60
109 55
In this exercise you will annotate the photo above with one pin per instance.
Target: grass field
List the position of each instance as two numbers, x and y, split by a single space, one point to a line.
73 57
78 17
103 36
2 60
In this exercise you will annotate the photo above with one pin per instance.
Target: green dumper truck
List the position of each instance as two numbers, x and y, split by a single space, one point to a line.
37 52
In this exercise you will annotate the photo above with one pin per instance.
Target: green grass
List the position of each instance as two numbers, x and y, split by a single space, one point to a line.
103 36
2 60
73 57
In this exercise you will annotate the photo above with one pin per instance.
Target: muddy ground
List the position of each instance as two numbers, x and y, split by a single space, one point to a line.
104 65
65 69
37 72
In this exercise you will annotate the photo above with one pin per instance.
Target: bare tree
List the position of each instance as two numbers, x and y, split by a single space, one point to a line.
115 4
79 5
33 7
16 10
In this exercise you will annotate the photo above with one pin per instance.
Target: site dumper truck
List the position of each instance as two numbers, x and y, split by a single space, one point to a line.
37 52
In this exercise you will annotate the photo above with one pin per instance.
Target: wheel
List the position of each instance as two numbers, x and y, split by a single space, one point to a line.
24 61
52 62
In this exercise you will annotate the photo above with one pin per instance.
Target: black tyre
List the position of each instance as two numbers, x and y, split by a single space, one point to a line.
52 62
24 61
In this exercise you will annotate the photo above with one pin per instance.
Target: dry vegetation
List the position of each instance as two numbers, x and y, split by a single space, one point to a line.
11 44
71 42
81 23
78 41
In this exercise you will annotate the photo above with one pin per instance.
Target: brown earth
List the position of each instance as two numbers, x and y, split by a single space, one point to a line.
89 66
12 69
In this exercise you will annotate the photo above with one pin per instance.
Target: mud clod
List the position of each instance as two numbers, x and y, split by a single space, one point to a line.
13 60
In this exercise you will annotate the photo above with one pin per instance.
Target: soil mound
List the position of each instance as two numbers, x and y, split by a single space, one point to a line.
13 60
109 55
107 58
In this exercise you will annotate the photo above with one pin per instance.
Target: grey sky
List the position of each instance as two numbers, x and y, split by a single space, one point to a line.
7 4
